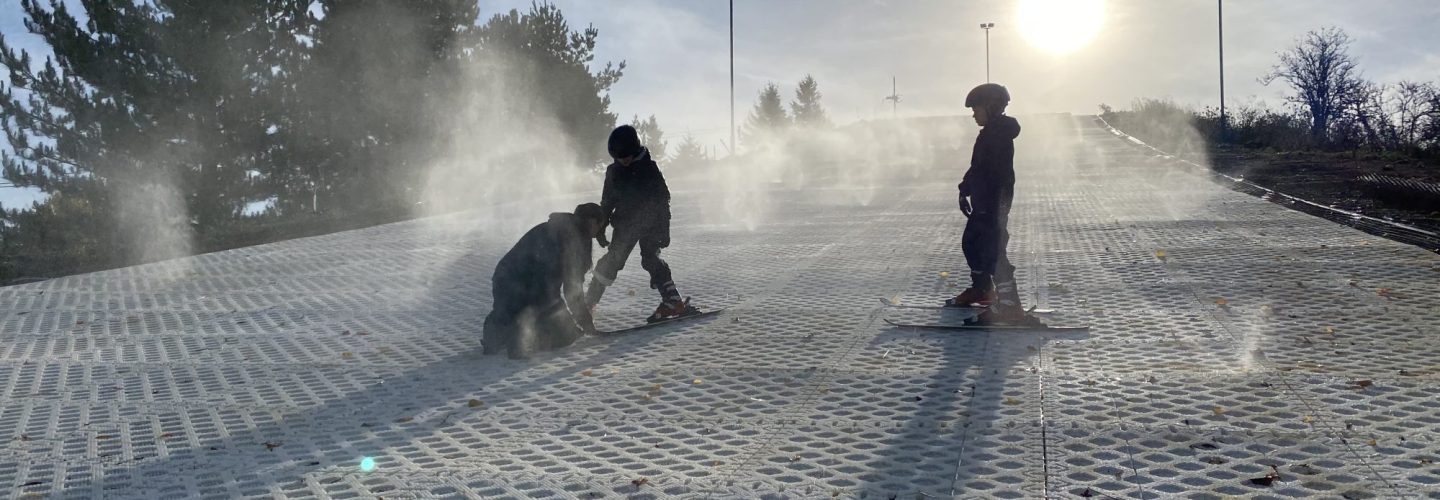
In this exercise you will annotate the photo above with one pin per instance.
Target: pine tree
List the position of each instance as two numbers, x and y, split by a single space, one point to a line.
689 153
767 119
806 107
152 112
545 64
369 99
651 136
161 120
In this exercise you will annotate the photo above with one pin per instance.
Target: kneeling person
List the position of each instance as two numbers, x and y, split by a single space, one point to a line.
539 286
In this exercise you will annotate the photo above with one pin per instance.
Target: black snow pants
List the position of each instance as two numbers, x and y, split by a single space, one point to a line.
984 241
649 236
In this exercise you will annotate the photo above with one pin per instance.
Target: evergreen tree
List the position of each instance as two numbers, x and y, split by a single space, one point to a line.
369 98
651 136
161 120
151 112
806 107
689 153
767 119
540 65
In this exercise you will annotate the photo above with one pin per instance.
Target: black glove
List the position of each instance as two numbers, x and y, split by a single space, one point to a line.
965 206
664 241
604 242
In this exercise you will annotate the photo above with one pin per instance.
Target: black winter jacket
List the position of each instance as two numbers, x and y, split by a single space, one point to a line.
992 163
636 195
550 262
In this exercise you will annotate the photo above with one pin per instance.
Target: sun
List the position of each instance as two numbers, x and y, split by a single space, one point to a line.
1061 26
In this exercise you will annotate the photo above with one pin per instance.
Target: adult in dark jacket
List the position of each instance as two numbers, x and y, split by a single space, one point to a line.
986 194
637 203
539 286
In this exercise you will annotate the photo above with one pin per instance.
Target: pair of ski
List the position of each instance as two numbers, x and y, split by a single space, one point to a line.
887 304
971 312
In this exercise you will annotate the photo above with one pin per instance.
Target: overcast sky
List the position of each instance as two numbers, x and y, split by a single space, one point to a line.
678 55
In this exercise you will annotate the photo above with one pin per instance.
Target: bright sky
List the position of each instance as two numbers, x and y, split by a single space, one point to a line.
678 54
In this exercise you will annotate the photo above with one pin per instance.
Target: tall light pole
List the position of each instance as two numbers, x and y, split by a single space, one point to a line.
986 27
1220 17
732 78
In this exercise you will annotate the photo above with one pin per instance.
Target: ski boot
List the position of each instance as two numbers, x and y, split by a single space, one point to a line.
672 308
972 297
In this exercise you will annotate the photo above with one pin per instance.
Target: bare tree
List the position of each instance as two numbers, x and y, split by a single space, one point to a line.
1324 76
1430 131
1412 110
1368 121
1397 117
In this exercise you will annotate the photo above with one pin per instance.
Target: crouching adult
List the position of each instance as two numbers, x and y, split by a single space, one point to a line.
539 286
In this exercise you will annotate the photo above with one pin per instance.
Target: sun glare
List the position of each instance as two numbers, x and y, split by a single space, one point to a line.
1061 26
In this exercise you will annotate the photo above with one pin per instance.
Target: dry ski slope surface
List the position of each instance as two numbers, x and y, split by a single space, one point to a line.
1237 348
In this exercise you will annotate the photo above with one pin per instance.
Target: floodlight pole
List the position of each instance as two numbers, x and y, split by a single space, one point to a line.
1220 17
986 27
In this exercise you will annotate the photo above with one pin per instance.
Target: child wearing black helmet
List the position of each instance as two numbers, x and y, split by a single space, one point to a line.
636 201
986 193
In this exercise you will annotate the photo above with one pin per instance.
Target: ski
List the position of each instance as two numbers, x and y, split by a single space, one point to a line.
938 326
891 305
698 315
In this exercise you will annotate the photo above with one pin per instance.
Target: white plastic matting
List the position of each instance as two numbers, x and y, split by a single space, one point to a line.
1238 349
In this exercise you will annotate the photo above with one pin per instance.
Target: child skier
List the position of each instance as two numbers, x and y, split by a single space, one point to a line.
637 203
986 193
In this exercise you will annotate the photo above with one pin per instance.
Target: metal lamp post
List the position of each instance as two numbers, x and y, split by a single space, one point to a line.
986 27
732 78
1220 17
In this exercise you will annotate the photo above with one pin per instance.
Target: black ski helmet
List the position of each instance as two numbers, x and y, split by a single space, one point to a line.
987 93
624 141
